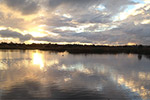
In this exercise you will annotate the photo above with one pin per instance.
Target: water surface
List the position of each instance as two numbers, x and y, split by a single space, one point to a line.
45 75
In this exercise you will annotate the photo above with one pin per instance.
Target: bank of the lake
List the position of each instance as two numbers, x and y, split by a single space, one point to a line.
88 49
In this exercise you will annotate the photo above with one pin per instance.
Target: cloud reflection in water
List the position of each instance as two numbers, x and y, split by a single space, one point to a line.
73 76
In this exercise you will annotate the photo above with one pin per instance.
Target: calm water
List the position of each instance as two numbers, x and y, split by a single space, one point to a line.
44 75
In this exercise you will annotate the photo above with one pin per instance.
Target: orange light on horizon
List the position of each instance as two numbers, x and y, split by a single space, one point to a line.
130 43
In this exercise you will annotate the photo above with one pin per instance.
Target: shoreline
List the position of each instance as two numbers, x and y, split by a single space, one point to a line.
80 49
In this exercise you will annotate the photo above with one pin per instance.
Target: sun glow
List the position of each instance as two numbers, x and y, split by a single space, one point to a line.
3 28
38 59
36 32
131 43
37 42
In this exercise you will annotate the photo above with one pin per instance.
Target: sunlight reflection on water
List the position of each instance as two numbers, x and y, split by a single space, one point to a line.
38 59
45 75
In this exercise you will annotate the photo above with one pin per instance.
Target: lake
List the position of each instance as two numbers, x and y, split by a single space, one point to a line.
46 75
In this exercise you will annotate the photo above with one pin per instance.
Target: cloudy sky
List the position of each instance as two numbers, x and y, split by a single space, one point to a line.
113 22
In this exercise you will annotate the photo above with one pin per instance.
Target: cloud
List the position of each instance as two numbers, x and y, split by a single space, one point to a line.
9 20
59 21
87 11
12 34
140 32
137 26
84 4
93 18
116 6
24 6
72 4
85 21
67 38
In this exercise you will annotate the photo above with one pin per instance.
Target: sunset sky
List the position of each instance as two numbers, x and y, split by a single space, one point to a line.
112 22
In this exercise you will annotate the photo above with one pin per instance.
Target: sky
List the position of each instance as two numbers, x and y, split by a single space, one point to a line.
106 22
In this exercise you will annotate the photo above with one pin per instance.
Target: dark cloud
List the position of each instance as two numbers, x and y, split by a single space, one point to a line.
81 13
115 6
126 32
25 6
85 37
141 32
63 39
13 34
83 7
133 27
10 20
59 21
93 18
86 11
84 4
72 4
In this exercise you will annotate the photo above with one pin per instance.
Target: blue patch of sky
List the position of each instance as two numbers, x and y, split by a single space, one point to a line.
130 7
138 1
101 7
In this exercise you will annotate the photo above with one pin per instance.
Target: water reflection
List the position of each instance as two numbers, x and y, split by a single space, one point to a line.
29 90
139 56
103 77
147 56
38 59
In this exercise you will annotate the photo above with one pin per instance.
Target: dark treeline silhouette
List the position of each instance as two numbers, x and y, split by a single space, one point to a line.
77 48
